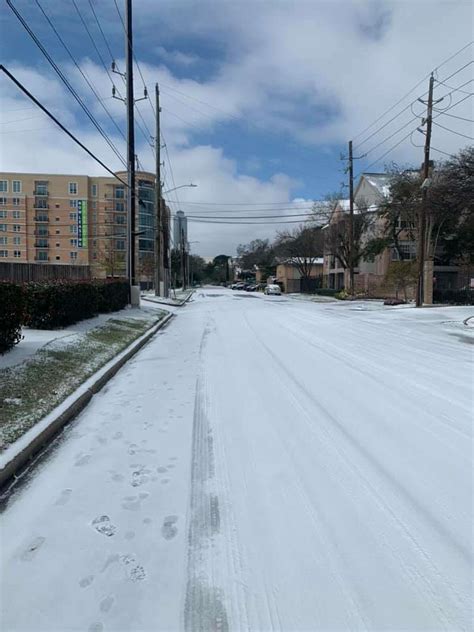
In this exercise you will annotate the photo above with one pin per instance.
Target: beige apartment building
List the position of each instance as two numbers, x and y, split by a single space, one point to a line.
74 219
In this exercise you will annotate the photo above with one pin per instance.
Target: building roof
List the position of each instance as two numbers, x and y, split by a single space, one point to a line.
380 181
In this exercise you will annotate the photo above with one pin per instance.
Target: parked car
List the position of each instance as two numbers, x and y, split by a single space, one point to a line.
272 289
238 286
251 288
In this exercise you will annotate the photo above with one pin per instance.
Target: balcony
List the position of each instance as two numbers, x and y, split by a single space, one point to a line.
40 190
39 205
42 218
39 232
42 244
42 259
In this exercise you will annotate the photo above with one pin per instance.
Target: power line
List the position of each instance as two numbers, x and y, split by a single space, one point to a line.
64 79
391 136
386 153
443 152
101 31
461 118
85 77
458 89
412 90
52 117
453 131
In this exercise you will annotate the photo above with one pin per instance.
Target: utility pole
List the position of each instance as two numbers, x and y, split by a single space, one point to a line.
158 211
351 220
131 199
424 192
183 259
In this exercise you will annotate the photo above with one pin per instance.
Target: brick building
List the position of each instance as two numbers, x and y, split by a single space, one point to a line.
74 219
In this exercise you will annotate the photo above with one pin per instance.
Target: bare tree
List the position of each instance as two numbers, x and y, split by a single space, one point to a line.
112 260
302 245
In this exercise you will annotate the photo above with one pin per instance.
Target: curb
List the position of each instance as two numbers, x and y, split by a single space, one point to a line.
15 457
180 304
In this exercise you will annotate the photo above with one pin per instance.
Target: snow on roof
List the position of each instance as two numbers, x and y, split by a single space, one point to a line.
381 181
344 204
298 260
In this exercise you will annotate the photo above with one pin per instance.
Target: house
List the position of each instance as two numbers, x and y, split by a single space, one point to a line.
289 273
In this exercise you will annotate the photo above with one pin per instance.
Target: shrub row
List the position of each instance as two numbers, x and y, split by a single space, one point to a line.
326 291
51 305
454 297
12 314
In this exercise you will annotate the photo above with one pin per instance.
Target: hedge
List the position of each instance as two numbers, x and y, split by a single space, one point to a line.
454 297
326 291
59 304
12 311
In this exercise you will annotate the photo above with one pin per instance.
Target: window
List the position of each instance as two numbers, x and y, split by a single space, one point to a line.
42 255
41 188
16 241
94 204
73 203
41 243
58 219
119 207
73 228
3 253
57 245
73 255
73 216
3 201
73 188
58 232
120 192
16 186
16 201
3 241
3 214
16 214
3 186
94 190
58 258
73 243
41 202
16 228
120 244
3 228
120 219
42 231
16 253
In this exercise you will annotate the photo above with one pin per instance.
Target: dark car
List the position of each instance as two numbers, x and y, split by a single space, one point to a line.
251 287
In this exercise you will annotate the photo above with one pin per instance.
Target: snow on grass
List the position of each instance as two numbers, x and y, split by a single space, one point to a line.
31 390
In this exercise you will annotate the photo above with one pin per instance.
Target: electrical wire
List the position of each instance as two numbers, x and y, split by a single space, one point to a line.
51 116
461 118
452 131
414 88
58 71
84 75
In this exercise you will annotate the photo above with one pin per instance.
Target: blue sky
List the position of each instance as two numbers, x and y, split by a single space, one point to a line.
259 98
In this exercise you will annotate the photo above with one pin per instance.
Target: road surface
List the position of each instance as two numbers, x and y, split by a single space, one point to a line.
263 464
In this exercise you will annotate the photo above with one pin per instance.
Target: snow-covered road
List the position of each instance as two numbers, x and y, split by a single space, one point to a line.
263 464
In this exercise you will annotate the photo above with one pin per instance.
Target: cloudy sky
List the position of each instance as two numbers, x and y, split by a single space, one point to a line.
258 99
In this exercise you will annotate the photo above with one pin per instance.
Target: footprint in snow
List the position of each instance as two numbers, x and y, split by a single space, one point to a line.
31 550
86 581
82 459
103 525
107 603
64 497
169 528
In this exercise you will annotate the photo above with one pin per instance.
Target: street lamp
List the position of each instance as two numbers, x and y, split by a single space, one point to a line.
181 186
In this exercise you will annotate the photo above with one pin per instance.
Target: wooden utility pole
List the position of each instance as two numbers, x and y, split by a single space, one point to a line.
425 184
158 203
130 102
351 220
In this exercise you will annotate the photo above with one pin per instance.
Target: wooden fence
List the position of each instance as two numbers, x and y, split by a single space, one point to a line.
20 272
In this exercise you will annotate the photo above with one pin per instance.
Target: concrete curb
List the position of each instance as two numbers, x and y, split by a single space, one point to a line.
180 304
17 455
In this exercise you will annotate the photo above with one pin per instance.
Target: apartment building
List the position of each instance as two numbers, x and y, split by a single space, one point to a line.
74 219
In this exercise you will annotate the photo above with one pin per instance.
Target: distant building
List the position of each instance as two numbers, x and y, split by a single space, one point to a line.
74 219
180 230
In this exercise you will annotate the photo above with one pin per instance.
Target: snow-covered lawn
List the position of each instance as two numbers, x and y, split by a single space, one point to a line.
261 465
55 363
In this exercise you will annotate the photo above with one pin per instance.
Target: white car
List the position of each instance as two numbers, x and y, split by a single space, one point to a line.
272 289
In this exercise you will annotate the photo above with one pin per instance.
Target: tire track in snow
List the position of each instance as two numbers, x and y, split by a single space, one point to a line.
210 547
386 476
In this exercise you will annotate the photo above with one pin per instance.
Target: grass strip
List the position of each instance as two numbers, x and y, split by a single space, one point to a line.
31 390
